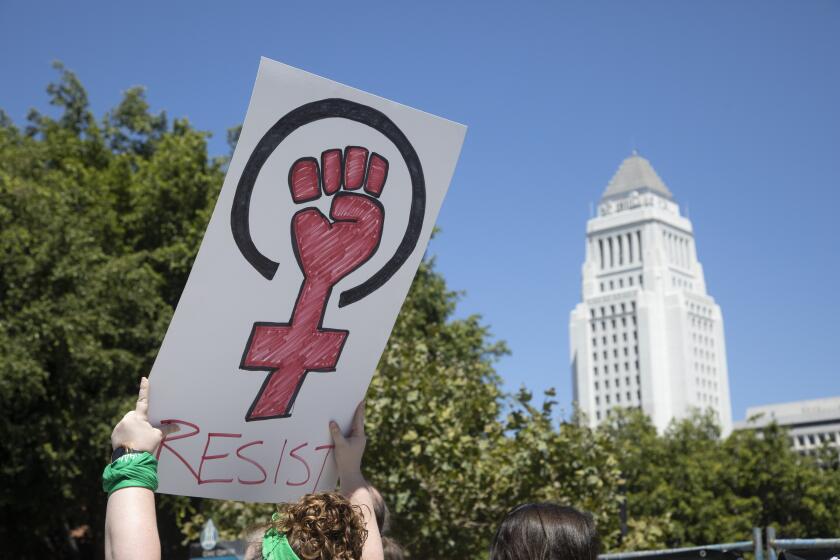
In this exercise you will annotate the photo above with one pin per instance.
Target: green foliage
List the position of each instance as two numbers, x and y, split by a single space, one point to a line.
689 487
99 224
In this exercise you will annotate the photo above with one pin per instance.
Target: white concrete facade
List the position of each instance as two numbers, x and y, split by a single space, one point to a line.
646 334
811 424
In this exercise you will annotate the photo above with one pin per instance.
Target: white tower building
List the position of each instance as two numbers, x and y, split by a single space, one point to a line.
646 335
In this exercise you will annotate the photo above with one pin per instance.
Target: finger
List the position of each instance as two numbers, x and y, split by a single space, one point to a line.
143 398
359 420
338 437
168 429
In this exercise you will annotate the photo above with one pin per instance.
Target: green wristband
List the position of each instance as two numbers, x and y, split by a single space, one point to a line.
131 470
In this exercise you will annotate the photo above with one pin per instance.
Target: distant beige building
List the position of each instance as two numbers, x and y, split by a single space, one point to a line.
810 423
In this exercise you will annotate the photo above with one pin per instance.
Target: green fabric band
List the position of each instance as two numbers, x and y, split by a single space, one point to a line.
132 469
277 547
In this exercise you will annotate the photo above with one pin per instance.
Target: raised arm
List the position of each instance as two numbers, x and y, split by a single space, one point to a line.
130 520
348 458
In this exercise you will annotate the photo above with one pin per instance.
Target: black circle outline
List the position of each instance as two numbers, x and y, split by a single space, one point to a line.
306 114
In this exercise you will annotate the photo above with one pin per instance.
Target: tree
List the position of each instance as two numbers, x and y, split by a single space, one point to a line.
689 487
99 223
797 494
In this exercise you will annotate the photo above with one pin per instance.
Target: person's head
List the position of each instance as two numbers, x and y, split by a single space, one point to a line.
392 550
380 511
545 531
323 526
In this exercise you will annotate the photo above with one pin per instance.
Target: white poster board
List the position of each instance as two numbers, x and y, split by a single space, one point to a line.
327 207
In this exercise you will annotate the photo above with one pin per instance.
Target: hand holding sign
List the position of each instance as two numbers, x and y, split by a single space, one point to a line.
349 450
326 252
134 430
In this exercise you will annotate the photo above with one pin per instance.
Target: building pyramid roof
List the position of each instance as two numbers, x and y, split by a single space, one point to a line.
635 174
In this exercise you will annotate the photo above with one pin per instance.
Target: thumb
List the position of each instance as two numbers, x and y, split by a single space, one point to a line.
142 407
338 437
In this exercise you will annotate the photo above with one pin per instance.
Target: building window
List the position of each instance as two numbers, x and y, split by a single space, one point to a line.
595 370
620 282
598 415
612 285
597 400
618 397
594 356
615 368
596 387
627 367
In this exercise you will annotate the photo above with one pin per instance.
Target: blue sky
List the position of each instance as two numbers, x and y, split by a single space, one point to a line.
736 104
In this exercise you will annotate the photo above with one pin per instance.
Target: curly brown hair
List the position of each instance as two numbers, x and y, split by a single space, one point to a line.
323 526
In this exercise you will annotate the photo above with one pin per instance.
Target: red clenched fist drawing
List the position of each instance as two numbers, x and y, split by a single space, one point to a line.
327 250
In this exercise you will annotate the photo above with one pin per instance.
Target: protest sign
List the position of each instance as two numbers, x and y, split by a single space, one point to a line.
327 207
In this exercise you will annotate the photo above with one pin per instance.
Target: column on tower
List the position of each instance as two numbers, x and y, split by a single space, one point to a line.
621 259
601 252
639 239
